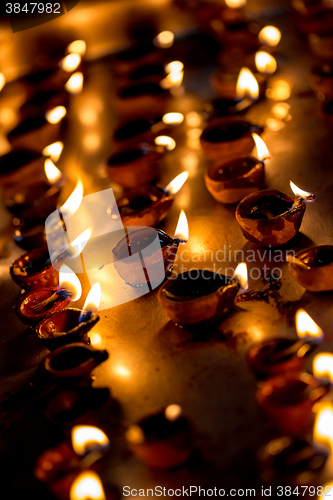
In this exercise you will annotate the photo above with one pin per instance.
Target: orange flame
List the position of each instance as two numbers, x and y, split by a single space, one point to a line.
262 151
323 366
241 276
247 85
75 83
56 114
73 202
86 438
70 62
307 329
87 486
165 141
174 186
80 242
265 63
173 412
70 282
52 173
306 195
2 81
53 150
92 301
270 36
174 67
173 118
77 47
182 232
323 427
164 40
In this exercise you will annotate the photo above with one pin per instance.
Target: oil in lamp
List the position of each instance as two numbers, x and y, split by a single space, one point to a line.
313 268
161 441
241 91
144 249
271 218
198 296
19 166
283 355
147 205
140 99
231 179
227 137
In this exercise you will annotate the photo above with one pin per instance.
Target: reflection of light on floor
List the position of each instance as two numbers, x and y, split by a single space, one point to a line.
256 333
279 91
121 371
281 110
88 116
190 162
193 119
275 125
95 340
91 142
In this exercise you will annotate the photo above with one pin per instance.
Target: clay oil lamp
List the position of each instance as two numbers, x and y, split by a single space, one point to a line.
70 325
19 166
139 130
228 137
140 99
313 268
36 200
147 205
200 296
42 102
147 73
240 92
135 57
34 270
288 401
161 441
37 132
283 355
271 218
230 180
148 250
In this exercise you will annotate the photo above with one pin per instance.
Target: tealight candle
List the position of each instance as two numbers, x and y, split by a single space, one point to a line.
313 268
140 99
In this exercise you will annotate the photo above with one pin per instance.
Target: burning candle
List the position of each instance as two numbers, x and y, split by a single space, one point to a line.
241 93
198 296
230 180
271 218
313 267
162 441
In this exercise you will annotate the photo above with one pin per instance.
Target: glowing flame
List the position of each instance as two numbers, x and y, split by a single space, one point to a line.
75 83
265 63
323 365
262 151
166 141
73 202
70 282
173 412
241 276
327 492
247 85
135 435
173 118
52 173
174 67
280 90
164 40
2 81
80 242
54 150
307 329
270 36
56 114
86 438
181 232
87 486
323 427
70 62
77 47
92 301
235 4
174 186
173 79
306 195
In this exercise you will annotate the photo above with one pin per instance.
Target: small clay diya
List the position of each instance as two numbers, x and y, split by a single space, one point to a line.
288 457
162 441
20 166
313 268
147 73
25 307
64 327
131 59
228 137
230 180
34 270
241 33
288 401
198 296
73 363
140 130
140 99
34 133
42 101
29 235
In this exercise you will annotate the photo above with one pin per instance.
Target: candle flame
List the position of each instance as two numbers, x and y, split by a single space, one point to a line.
86 438
235 4
54 150
173 412
69 282
323 427
80 242
306 195
174 66
56 114
182 232
265 63
323 365
270 36
73 202
247 85
92 301
52 173
173 118
87 486
262 151
70 62
2 81
307 329
135 435
327 492
164 40
172 80
75 83
241 276
77 47
174 186
166 141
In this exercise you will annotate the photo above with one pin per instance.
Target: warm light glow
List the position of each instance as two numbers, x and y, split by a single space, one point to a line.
92 301
70 282
172 412
193 119
87 486
2 81
174 186
135 435
86 438
323 366
166 141
265 63
73 202
75 83
52 173
173 79
56 114
262 151
247 85
80 242
241 276
173 118
54 150
323 427
92 141
307 329
270 36
182 232
306 195
164 39
121 371
280 90
77 47
235 4
174 67
70 62
281 110
327 492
